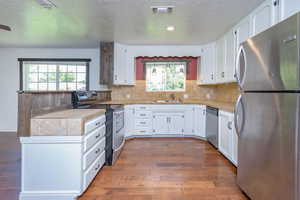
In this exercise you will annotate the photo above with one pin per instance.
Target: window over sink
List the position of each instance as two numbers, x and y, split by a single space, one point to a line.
54 74
165 76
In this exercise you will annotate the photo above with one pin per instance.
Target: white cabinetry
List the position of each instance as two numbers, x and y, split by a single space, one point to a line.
230 52
171 123
123 66
228 140
220 56
287 8
208 65
157 120
62 167
264 16
200 121
129 120
226 58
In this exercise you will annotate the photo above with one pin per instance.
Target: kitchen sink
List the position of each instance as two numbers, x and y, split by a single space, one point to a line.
167 101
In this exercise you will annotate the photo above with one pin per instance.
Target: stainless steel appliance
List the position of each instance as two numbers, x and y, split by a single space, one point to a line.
212 121
115 133
118 133
267 113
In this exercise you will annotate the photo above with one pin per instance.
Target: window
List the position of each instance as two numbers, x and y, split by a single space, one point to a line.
54 75
165 76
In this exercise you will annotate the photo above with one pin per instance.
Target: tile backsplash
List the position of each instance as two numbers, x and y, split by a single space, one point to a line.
223 93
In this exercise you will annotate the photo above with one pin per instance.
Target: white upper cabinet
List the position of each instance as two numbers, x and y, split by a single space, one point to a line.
287 8
207 67
225 58
264 16
230 51
220 62
123 66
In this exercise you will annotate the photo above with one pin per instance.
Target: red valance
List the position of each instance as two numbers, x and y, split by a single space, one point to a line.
191 65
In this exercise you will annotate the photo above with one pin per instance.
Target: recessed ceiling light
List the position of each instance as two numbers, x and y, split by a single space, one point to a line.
170 28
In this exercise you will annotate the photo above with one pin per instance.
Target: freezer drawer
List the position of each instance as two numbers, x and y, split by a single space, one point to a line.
267 126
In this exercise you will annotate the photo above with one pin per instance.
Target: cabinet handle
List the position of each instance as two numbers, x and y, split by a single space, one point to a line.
116 77
98 166
223 74
229 125
143 115
212 77
97 136
97 151
142 122
203 112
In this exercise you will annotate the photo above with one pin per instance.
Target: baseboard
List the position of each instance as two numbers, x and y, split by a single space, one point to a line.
47 196
165 136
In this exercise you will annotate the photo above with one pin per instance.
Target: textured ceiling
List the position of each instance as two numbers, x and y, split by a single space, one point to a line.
83 23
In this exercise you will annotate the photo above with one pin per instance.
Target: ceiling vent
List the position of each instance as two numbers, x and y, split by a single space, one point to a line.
46 4
162 9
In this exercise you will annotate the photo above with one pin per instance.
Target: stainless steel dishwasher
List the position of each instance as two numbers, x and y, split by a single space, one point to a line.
212 121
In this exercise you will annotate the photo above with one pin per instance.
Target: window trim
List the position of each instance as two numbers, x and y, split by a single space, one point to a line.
167 61
86 60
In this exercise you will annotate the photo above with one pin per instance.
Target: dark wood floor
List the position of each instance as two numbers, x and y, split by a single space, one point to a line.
10 166
148 169
166 169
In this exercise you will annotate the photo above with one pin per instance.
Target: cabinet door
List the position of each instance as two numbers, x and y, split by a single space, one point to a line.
129 120
160 123
208 64
176 123
119 68
220 63
230 52
225 135
242 32
263 17
200 121
288 7
235 140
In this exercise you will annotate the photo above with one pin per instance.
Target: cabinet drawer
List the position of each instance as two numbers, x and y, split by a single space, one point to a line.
93 153
93 124
143 114
93 137
142 122
92 171
143 131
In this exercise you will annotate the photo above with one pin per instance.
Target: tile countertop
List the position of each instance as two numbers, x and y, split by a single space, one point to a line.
226 106
68 122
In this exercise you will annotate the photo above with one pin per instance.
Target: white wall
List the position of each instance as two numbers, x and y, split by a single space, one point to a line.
9 76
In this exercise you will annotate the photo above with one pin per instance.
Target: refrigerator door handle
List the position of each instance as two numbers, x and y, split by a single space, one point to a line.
236 118
237 73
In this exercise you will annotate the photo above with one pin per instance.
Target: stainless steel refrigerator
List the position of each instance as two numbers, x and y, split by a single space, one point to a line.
267 113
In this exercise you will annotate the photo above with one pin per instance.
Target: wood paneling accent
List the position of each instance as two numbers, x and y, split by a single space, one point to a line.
167 169
33 104
10 166
106 63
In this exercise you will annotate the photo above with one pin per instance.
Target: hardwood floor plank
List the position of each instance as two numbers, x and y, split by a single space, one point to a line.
166 169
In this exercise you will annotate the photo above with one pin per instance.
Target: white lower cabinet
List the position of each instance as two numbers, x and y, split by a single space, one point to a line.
199 120
62 167
171 123
228 140
159 120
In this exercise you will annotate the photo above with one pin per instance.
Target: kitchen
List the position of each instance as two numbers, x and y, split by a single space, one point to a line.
149 100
